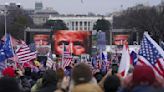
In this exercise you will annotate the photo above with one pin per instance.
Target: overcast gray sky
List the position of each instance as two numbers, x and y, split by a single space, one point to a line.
84 6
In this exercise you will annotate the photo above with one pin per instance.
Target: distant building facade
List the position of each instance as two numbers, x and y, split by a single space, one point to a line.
79 22
41 16
10 7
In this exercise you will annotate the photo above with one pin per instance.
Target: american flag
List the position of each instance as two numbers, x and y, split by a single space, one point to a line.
2 66
49 62
66 57
151 54
162 45
24 53
67 61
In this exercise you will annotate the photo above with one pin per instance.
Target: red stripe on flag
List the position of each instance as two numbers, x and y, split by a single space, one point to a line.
156 70
24 53
160 65
67 62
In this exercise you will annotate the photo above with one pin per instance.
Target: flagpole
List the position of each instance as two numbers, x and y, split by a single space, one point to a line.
5 32
5 14
15 63
71 50
101 54
62 56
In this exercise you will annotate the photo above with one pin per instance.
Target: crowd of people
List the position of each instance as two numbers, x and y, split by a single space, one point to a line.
79 77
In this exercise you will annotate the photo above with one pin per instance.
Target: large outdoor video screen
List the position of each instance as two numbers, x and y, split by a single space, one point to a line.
74 41
41 41
120 39
39 38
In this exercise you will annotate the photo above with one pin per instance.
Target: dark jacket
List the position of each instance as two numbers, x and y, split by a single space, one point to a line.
140 88
48 88
25 83
144 88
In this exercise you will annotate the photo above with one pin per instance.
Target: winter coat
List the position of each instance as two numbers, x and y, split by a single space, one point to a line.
37 85
87 87
48 88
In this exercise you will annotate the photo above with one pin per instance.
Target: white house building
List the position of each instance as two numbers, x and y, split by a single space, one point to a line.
79 22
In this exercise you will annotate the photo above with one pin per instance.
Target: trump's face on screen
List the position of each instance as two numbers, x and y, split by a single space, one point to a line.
75 42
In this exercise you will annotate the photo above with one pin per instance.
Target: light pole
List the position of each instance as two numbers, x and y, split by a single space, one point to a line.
111 30
137 37
5 11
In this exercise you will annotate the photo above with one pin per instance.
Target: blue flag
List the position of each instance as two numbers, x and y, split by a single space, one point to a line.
2 53
94 62
8 47
134 57
103 56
